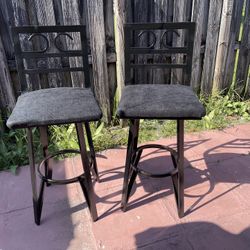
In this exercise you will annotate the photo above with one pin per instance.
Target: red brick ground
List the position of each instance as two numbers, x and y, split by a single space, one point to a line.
217 204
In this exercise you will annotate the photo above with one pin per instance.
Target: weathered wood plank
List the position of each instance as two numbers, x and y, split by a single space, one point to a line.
215 7
160 76
180 15
142 14
205 22
33 20
19 17
71 15
5 28
189 10
46 16
223 45
242 75
198 11
110 48
109 25
7 98
119 20
233 41
98 49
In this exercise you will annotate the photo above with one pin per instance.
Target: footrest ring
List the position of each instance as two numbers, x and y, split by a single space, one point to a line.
55 181
146 173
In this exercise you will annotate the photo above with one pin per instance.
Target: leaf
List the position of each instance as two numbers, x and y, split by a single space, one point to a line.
211 114
3 148
98 131
70 129
73 144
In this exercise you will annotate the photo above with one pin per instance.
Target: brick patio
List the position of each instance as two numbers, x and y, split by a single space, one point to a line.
217 204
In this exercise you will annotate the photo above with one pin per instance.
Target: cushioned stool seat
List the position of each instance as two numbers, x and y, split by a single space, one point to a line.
159 101
54 106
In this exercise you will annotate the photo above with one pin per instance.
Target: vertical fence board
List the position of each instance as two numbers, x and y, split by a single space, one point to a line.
7 95
46 16
142 14
119 20
110 48
98 51
223 44
211 45
189 10
197 16
244 54
5 28
205 22
7 98
160 15
233 40
180 10
58 12
71 16
20 18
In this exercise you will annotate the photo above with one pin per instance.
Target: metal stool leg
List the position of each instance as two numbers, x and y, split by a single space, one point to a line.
45 143
178 178
180 166
37 199
131 149
92 152
87 184
134 172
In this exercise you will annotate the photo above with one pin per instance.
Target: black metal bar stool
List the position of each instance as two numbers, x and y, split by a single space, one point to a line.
157 101
55 106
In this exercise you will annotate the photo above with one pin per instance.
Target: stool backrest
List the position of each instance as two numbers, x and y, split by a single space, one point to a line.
36 44
133 32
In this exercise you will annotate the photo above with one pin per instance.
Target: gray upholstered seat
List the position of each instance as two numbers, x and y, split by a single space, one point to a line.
54 106
159 101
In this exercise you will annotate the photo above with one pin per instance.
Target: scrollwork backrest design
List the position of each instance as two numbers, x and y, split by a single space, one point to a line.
47 47
157 45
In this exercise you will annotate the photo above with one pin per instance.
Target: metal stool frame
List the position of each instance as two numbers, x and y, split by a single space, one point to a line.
89 163
133 151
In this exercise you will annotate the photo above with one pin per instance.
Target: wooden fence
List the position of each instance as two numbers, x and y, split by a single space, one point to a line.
221 50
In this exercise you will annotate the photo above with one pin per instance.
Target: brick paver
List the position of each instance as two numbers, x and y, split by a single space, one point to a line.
217 204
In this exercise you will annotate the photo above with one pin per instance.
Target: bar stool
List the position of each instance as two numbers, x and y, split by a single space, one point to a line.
55 106
157 101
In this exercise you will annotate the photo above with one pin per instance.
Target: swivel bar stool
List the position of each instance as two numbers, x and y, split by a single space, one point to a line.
157 101
54 106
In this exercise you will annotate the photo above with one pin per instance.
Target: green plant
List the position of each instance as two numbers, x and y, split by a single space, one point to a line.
64 136
13 149
115 120
220 108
